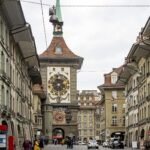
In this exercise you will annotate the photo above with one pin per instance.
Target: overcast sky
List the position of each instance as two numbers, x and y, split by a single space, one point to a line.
102 35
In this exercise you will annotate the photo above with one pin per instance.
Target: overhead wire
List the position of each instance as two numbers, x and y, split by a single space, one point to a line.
43 22
104 5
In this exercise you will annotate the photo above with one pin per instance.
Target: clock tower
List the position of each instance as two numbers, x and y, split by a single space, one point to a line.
59 67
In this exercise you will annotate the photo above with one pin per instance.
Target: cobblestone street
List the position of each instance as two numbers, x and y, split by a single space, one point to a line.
76 147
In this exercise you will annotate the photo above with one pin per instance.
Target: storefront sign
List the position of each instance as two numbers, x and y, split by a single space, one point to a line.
134 144
3 140
3 128
57 137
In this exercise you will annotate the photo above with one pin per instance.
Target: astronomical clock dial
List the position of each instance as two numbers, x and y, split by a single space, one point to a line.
58 84
59 117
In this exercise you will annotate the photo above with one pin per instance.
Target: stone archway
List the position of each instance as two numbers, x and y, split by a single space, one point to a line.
142 133
59 134
12 128
136 135
19 130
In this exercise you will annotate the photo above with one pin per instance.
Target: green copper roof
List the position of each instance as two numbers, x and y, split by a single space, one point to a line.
58 10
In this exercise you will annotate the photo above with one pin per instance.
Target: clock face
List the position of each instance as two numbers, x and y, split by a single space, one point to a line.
58 84
58 117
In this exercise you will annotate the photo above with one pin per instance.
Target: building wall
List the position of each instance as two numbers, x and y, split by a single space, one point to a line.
112 106
88 115
16 95
138 105
49 108
73 78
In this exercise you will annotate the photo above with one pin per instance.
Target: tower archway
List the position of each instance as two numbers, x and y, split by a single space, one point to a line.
59 134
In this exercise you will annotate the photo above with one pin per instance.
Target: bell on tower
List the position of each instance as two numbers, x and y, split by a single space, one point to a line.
56 19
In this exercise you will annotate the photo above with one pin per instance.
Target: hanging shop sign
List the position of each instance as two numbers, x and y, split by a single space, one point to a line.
3 128
2 140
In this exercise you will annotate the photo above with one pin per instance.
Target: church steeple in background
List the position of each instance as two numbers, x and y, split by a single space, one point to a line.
56 19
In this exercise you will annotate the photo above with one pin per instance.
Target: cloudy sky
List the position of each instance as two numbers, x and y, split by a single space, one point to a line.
102 35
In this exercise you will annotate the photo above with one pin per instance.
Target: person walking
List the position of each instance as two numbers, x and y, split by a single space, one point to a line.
142 144
147 145
27 145
36 145
41 144
71 142
62 142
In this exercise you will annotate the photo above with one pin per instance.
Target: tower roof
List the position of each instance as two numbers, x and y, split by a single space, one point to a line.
65 55
58 11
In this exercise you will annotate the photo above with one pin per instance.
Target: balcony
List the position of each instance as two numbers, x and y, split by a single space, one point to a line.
143 121
148 119
114 124
3 73
141 79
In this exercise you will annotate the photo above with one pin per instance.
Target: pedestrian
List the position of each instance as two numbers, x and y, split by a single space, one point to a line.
147 145
55 141
27 145
41 144
142 144
68 142
71 143
36 145
62 142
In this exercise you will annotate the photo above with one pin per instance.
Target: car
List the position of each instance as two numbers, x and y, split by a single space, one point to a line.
117 144
105 144
92 144
81 143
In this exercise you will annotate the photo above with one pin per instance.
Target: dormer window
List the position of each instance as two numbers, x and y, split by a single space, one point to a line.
58 50
114 78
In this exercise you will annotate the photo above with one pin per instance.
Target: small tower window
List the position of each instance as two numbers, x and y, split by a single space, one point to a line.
58 50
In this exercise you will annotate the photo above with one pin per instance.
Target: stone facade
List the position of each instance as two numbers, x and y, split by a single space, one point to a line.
136 76
88 115
49 108
59 67
18 67
112 112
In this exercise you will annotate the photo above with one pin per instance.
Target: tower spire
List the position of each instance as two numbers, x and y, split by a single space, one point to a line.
58 11
56 19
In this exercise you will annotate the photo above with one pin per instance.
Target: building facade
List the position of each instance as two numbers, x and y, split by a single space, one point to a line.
38 97
18 73
136 77
112 112
59 67
88 115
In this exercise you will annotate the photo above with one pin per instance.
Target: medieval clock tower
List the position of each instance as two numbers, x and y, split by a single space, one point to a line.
59 67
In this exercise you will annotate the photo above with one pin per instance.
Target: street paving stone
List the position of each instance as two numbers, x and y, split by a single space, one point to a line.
76 147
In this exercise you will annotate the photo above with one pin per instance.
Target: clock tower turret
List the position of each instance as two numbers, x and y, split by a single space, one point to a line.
59 67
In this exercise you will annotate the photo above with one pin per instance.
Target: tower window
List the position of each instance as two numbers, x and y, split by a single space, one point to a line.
58 50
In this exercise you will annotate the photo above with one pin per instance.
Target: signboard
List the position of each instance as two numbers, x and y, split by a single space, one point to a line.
134 144
38 132
3 140
57 137
3 128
